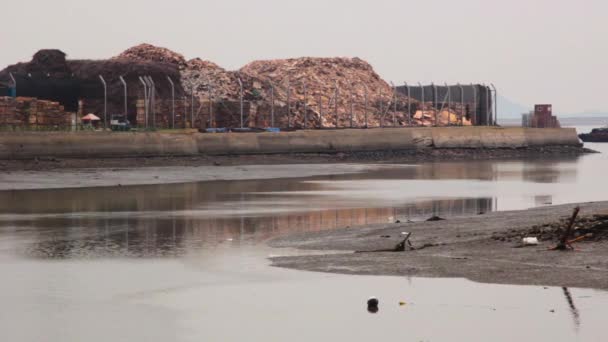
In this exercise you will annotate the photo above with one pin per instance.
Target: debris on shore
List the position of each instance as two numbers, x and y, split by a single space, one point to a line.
586 228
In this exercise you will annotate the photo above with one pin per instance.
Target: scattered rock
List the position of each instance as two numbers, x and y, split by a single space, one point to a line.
435 218
372 304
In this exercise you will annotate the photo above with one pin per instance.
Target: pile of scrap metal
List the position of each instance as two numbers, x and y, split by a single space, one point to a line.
295 93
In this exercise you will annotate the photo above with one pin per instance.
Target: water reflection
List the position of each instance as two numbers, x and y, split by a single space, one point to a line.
175 219
207 195
573 310
171 234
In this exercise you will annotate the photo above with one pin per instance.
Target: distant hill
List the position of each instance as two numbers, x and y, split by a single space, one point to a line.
510 109
584 115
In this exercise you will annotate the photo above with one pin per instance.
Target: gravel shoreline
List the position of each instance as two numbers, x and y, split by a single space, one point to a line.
460 247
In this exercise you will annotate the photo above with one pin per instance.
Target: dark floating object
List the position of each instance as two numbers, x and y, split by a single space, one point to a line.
596 135
372 305
435 218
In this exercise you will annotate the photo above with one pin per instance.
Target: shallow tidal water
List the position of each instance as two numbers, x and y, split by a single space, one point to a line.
188 262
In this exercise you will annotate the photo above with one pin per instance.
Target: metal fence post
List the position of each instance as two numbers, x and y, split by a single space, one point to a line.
365 104
381 108
305 106
241 97
495 104
351 108
394 104
409 110
422 101
487 89
172 102
124 84
210 95
153 102
271 104
462 106
288 103
151 98
10 74
449 104
434 99
336 95
192 104
474 121
320 105
105 103
145 99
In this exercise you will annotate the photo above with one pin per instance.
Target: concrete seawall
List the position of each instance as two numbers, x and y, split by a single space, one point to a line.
27 145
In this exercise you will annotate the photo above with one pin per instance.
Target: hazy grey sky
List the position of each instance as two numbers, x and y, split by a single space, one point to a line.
534 51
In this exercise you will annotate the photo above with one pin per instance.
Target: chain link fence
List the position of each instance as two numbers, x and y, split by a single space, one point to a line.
160 102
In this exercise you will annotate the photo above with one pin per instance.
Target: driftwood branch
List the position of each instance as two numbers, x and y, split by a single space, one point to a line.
564 243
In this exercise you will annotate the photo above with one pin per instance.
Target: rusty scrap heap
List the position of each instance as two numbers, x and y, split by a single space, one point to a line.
323 92
299 93
151 53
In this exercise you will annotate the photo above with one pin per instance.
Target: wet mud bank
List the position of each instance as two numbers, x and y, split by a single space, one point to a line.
389 156
484 248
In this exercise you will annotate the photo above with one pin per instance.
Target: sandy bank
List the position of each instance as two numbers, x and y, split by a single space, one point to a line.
95 177
459 247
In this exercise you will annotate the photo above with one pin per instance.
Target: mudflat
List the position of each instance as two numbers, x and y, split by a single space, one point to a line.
386 156
484 248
